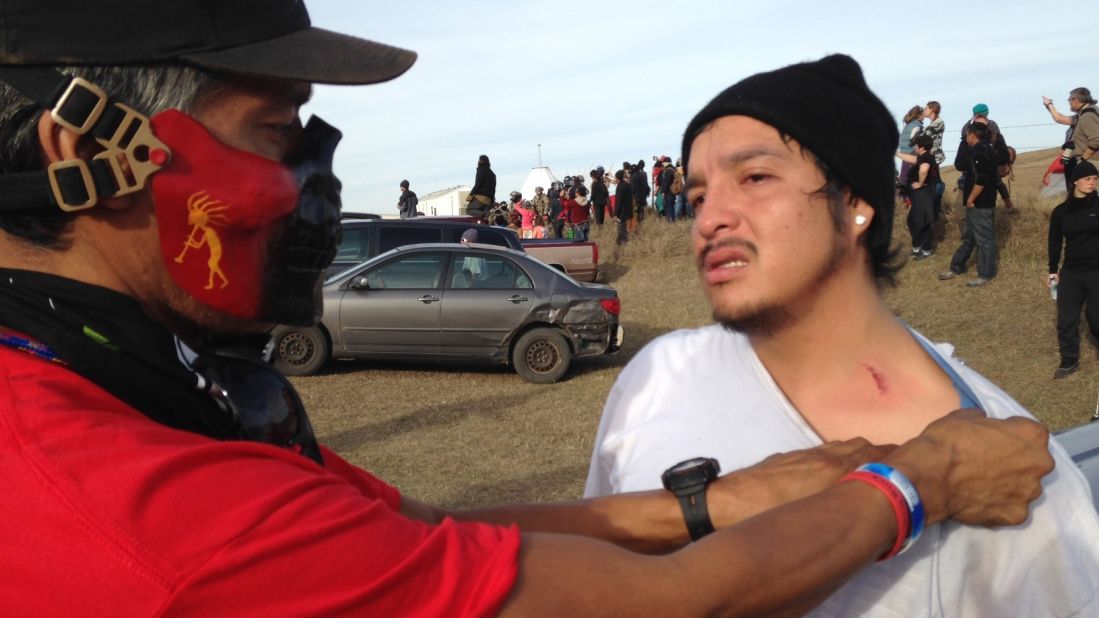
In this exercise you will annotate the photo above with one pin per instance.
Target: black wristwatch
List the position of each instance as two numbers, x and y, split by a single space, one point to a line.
688 481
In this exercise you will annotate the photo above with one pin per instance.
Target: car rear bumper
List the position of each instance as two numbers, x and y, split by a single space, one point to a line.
592 339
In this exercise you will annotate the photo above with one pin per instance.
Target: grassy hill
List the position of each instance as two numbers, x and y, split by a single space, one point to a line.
467 436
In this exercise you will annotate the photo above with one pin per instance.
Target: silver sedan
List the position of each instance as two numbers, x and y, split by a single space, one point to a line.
456 302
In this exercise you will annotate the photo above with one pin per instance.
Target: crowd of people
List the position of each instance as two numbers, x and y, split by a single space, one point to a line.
569 207
984 161
1074 225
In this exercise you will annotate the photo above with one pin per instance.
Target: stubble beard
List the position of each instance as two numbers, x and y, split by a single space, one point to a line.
766 319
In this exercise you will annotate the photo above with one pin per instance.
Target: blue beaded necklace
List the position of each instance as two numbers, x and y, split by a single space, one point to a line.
30 346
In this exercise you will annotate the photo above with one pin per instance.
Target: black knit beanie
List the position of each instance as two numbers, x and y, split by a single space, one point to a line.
1083 169
828 108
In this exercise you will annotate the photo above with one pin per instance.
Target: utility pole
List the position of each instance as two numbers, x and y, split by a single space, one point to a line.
539 155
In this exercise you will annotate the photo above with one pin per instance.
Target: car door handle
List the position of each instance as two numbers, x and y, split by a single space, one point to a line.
427 299
517 299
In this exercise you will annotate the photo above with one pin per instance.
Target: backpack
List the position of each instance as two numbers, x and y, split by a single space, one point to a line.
677 184
1007 169
1005 155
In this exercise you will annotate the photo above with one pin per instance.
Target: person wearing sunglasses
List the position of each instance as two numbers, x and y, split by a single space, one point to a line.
161 206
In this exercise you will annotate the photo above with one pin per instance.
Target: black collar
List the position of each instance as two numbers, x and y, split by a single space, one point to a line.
107 337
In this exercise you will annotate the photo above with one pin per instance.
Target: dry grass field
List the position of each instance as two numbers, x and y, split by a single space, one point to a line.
467 436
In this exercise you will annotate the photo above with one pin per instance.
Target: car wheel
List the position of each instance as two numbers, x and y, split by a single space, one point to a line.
541 356
299 351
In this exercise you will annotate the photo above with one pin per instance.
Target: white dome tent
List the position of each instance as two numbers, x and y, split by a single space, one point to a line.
540 176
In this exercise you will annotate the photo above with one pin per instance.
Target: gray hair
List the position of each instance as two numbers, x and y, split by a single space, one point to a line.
1082 95
148 89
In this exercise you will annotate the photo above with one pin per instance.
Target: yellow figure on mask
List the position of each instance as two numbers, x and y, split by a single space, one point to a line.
202 214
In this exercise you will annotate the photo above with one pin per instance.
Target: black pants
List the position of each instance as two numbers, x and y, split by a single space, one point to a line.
920 217
623 232
599 210
1076 289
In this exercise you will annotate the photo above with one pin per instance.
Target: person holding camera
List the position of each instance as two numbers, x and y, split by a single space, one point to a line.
1082 137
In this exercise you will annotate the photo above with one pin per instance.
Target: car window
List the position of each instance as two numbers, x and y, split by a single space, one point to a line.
409 272
393 236
354 245
484 271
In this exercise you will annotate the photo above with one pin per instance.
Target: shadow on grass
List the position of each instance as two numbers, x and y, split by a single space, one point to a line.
442 414
341 367
612 271
544 486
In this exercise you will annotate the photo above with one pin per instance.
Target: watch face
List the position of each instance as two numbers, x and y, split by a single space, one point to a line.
684 466
685 474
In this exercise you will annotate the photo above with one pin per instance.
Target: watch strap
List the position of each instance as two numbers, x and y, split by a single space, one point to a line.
695 513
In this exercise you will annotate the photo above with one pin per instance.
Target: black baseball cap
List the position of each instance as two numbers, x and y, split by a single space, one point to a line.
263 38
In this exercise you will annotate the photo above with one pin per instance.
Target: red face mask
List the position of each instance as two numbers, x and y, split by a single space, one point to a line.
243 234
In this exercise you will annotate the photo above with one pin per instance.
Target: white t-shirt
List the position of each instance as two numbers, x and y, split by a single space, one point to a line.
704 393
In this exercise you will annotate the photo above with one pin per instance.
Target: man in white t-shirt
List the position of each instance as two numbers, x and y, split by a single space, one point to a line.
794 213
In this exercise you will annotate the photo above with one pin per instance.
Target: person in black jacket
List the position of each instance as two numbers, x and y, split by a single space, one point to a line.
999 147
623 205
555 208
639 185
980 203
482 196
599 196
922 178
406 205
1075 284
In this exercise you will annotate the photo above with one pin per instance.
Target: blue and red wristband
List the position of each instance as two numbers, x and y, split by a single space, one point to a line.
903 498
911 496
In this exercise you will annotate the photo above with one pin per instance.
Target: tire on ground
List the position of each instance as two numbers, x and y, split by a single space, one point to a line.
299 351
541 356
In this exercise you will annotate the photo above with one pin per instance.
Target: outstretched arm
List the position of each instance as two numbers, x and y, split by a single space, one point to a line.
783 562
652 521
1057 116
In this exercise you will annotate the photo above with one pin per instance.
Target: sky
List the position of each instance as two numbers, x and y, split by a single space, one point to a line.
598 83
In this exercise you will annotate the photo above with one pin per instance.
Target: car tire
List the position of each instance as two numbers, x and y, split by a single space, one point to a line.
541 356
299 351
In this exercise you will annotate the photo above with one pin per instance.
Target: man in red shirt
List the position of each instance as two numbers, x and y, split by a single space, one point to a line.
158 213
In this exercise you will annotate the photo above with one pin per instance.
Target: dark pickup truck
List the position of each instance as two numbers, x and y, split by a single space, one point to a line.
365 238
577 258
